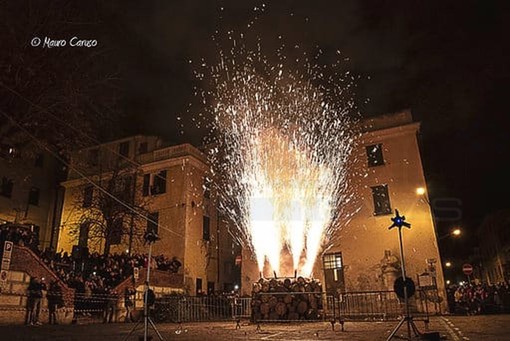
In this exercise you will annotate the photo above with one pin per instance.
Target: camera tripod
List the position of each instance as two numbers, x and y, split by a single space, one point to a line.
146 317
399 222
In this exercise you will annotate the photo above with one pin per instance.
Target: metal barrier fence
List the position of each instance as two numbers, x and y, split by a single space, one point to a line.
380 305
265 307
201 308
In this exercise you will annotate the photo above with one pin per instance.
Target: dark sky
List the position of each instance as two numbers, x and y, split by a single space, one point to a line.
448 61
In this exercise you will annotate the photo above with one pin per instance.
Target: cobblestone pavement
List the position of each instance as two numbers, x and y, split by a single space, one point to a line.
456 328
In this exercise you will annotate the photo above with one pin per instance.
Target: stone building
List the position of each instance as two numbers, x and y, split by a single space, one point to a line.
363 254
494 240
168 184
29 191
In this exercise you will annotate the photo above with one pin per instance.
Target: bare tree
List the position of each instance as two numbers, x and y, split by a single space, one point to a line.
113 215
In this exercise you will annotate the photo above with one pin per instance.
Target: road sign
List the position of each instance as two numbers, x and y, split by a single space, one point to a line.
3 275
8 249
467 269
6 264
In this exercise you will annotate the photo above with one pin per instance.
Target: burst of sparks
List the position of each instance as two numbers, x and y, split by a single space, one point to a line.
283 139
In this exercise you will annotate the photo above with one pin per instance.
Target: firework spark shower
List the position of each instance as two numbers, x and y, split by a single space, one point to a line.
283 135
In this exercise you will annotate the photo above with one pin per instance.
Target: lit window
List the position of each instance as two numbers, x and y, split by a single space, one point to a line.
333 261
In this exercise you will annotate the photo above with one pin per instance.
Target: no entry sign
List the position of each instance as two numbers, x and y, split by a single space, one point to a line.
467 269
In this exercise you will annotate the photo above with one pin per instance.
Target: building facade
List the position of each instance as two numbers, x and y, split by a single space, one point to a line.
168 184
494 241
30 193
363 254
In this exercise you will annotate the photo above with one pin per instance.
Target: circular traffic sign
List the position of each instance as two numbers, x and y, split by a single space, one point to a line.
399 285
467 269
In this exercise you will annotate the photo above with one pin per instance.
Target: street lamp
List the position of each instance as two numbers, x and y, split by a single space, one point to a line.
420 191
448 264
455 233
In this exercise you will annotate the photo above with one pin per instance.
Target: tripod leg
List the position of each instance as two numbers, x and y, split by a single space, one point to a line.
396 329
415 328
132 331
155 329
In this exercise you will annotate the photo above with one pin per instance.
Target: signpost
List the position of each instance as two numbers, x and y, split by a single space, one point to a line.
6 262
468 271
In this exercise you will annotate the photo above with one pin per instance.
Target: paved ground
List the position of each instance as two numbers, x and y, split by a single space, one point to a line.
456 328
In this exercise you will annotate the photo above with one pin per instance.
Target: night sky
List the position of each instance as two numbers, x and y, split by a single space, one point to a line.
448 61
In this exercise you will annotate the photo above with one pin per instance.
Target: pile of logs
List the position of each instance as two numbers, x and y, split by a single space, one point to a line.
289 299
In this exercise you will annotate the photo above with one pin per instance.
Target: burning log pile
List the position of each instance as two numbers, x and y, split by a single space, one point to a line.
288 299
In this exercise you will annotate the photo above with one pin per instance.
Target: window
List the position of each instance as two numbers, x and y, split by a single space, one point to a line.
6 188
93 157
198 285
153 222
210 288
334 272
158 182
381 200
333 261
142 148
116 233
206 228
39 161
83 238
124 148
88 195
207 188
33 196
146 184
375 155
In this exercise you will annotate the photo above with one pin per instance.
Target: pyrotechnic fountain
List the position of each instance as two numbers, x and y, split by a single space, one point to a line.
283 139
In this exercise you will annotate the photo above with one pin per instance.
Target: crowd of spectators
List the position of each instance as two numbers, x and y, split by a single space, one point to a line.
95 276
472 299
18 234
96 273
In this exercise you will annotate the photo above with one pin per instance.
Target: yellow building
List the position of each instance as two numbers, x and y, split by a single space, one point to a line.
364 254
170 185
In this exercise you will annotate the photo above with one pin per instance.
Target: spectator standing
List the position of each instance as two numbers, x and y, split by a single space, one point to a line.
128 303
110 305
55 301
35 295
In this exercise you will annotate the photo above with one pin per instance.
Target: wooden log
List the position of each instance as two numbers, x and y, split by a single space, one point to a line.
264 308
280 308
273 316
302 307
293 317
272 302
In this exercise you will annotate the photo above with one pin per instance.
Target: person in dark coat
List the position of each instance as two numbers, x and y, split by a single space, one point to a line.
128 303
55 301
35 295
